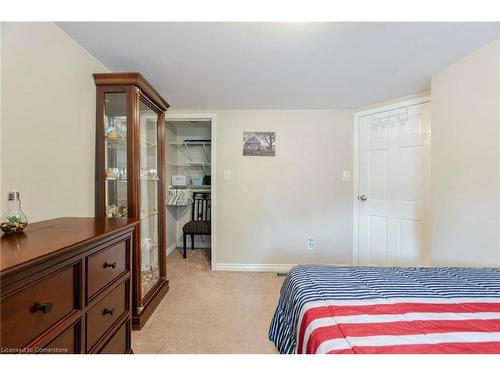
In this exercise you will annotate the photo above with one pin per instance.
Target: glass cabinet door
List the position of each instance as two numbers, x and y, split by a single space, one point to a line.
115 158
149 199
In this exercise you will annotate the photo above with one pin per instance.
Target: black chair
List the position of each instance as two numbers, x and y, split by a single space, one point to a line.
200 219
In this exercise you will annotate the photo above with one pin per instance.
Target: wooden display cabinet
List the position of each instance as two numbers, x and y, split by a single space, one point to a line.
130 182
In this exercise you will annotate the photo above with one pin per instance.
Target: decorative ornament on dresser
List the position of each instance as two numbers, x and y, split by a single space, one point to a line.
13 220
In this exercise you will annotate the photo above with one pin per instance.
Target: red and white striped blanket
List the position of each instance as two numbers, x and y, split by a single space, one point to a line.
356 310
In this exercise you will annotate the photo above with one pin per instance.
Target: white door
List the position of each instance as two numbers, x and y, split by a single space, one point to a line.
394 184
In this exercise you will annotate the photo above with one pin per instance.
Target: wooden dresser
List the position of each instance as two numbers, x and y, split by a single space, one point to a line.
65 287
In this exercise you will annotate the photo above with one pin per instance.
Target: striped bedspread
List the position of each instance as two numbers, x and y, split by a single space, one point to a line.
327 309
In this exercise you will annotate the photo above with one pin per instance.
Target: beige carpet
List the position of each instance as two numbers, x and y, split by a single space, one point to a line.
210 312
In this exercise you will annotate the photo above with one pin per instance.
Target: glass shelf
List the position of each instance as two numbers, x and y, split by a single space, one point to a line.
122 141
150 145
150 214
191 143
190 164
125 180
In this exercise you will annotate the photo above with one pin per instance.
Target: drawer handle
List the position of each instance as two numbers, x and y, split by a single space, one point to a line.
107 311
44 308
110 265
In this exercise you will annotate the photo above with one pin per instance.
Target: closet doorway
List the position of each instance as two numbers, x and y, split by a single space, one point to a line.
191 190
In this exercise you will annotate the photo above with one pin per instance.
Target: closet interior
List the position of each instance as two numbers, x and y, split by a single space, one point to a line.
188 175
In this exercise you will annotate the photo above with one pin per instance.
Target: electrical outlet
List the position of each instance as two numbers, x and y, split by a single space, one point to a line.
310 244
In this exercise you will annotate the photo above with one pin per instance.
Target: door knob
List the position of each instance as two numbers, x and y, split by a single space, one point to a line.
363 198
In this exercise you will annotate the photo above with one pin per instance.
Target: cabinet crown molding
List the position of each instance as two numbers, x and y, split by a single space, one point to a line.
131 78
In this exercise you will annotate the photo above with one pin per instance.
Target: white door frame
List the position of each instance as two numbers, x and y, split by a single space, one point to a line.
355 162
200 116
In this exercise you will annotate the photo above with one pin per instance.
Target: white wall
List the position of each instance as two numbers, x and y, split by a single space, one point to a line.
466 160
272 205
1 198
48 121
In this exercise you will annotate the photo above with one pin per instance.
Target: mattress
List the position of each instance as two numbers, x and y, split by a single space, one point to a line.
355 310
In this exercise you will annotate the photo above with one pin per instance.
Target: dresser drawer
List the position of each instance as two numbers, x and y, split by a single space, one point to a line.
118 344
105 266
37 307
68 342
106 312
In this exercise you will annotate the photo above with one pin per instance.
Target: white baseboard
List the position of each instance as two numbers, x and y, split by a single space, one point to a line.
238 267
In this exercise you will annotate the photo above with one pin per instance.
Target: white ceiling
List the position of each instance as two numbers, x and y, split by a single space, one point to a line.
281 65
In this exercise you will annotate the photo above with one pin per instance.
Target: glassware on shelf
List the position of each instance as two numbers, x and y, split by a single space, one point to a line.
149 144
149 261
115 211
149 174
149 279
115 127
116 174
147 244
111 174
13 220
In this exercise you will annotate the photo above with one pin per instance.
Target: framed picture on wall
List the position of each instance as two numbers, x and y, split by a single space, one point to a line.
259 143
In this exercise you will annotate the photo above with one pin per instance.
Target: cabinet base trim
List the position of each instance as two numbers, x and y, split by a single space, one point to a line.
139 320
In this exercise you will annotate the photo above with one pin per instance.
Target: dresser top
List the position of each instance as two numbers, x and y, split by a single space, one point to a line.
46 238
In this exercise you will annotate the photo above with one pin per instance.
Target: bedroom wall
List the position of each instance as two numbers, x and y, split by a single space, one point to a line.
272 205
48 121
1 200
466 160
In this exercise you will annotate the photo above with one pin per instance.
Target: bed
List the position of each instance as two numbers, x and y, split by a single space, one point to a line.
356 310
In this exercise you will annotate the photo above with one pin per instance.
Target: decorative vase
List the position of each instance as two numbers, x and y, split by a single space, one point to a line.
13 220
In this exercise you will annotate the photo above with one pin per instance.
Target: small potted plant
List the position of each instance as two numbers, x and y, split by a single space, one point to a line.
14 220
